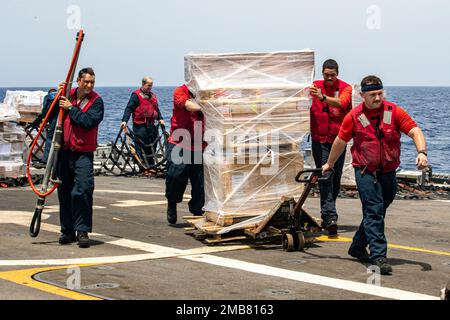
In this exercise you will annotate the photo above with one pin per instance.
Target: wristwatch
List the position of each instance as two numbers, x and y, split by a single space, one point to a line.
423 151
324 98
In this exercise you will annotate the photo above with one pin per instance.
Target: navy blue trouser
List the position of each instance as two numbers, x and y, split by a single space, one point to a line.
376 193
329 189
177 177
49 138
76 171
147 134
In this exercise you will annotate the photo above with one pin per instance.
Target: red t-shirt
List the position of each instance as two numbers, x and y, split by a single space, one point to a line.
345 96
183 119
404 121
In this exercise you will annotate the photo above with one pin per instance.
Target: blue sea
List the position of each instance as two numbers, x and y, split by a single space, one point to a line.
429 106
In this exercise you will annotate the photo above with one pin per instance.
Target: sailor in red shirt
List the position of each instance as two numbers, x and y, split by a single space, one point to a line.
184 154
332 100
375 126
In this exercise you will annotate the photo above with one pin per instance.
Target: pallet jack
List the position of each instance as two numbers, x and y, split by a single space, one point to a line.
301 225
287 222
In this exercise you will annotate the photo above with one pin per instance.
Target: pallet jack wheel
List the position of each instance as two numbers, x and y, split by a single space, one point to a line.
301 241
288 242
200 236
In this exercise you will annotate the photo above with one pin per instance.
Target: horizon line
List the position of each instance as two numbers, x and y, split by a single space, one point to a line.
174 86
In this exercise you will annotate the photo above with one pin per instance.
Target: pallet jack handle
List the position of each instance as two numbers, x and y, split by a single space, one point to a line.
315 176
293 239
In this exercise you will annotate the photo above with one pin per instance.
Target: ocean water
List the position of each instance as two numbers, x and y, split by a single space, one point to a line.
429 106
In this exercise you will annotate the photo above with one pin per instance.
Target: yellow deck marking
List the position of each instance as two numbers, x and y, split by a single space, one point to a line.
24 277
393 246
333 239
396 246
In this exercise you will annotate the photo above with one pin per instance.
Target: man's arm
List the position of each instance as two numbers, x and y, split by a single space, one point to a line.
91 118
192 106
408 126
131 106
336 151
339 144
343 101
181 100
335 102
46 105
419 140
160 118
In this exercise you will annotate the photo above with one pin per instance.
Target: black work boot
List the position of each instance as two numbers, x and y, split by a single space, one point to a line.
198 212
359 253
331 226
67 238
385 268
83 239
40 165
172 212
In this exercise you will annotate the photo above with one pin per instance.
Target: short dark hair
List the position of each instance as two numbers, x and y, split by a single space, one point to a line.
330 64
371 80
86 71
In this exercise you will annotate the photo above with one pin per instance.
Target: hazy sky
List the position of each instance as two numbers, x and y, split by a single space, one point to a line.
404 42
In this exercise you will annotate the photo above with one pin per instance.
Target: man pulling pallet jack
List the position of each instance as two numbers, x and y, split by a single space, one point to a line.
70 162
375 126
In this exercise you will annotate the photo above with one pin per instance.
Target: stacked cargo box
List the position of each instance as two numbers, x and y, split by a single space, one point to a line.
12 148
27 103
256 108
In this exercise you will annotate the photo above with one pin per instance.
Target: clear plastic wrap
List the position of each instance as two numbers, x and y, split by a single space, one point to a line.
12 150
8 127
256 108
348 173
8 113
28 104
12 169
12 143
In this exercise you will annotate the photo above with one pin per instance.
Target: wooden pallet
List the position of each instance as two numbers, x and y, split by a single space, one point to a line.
209 227
27 116
226 220
206 231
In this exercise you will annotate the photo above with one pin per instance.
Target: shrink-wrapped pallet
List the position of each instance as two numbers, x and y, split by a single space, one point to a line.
256 108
